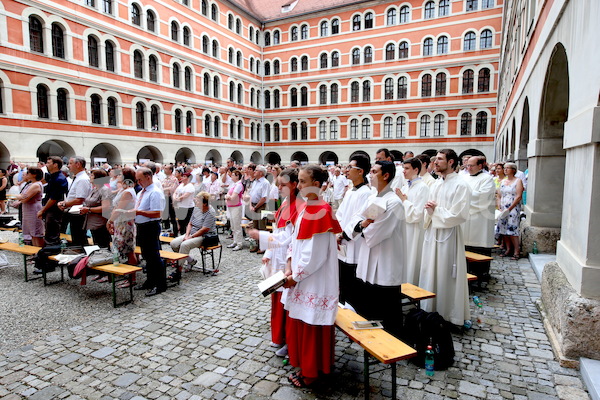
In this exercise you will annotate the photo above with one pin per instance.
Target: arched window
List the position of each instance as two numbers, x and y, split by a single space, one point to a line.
58 41
354 128
230 21
267 68
470 41
391 17
154 118
400 127
216 87
252 97
368 54
304 63
366 86
387 128
140 117
294 97
276 98
442 45
304 32
251 33
444 8
112 111
294 34
240 93
107 6
189 120
267 132
324 28
138 64
304 96
150 21
485 42
404 14
61 103
403 50
178 121
390 51
333 130
238 59
323 94
93 51
389 89
174 31
176 76
206 84
214 13
322 130
429 10
276 37
217 127
428 47
425 125
240 129
276 67
294 64
323 60
369 20
136 15
333 96
109 53
356 22
467 84
276 135
153 68
426 85
231 91
402 88
335 26
303 131
187 36
356 56
96 109
207 125
440 84
267 38
294 133
466 120
438 125
366 128
238 26
215 49
335 59
42 101
354 92
230 55
483 80
188 79
481 123
205 44
267 99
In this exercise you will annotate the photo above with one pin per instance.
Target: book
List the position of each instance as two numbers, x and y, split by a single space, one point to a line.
272 283
375 208
367 325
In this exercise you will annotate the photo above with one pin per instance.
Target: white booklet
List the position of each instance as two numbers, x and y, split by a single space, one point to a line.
272 283
375 208
75 209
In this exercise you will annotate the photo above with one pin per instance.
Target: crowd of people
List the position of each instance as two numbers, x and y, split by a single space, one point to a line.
343 233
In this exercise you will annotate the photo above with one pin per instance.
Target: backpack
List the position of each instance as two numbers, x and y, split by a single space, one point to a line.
421 329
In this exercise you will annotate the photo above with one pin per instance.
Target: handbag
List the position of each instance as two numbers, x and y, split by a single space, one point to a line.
210 240
100 257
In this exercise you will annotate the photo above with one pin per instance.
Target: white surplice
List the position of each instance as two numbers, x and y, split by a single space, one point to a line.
414 210
428 179
479 228
276 246
443 263
349 214
381 258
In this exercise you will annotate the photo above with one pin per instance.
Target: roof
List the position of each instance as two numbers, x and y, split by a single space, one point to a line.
270 10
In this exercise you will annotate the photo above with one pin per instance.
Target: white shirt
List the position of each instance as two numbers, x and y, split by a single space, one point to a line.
479 227
348 215
187 202
340 183
260 188
80 187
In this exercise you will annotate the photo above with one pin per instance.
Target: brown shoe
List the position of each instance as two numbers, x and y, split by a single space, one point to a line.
253 250
260 252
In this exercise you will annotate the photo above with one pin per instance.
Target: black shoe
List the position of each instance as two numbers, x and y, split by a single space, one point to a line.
140 287
152 292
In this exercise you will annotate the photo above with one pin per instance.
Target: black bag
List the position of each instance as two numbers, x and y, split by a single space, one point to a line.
422 329
210 240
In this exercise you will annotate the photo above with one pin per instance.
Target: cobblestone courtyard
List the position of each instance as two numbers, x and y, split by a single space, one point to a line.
209 339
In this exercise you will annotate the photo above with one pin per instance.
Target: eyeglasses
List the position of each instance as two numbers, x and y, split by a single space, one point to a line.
355 167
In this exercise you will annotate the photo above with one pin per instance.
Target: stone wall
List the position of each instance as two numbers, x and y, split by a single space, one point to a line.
546 238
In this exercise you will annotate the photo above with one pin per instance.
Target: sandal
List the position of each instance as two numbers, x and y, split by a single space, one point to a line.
297 380
515 257
125 285
103 279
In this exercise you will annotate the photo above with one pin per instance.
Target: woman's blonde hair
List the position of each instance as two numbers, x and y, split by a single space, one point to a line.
204 196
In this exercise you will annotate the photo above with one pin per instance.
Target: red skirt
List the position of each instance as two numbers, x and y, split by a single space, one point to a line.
278 318
310 347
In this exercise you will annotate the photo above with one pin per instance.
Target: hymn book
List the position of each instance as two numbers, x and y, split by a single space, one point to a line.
272 283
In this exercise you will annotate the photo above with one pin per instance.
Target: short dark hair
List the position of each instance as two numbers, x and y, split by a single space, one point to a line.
99 173
316 173
414 162
56 160
450 155
128 175
363 163
386 152
424 158
36 171
387 167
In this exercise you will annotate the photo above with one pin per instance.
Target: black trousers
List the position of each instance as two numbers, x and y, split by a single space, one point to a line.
78 231
183 222
381 303
101 236
148 239
171 220
348 282
52 223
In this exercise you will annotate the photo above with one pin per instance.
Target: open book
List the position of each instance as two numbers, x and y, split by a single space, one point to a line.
375 208
272 283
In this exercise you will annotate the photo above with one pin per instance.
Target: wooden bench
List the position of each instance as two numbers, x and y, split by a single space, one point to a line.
166 239
386 348
69 239
124 272
221 226
474 257
26 251
414 294
204 252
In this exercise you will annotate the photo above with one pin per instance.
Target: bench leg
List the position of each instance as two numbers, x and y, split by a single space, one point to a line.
394 381
25 267
113 278
366 374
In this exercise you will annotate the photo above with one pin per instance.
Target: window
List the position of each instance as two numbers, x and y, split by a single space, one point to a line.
58 41
483 81
251 33
354 92
294 64
335 26
354 129
323 60
42 101
214 12
276 37
485 42
188 79
400 127
471 5
217 127
36 35
154 118
322 94
138 64
429 10
276 98
322 130
428 47
444 8
294 96
438 125
205 44
304 96
140 118
402 88
333 96
267 132
465 124
404 14
294 134
207 124
276 67
107 6
276 137
176 76
369 20
61 103
93 51
230 22
324 28
216 86
240 128
487 4
440 84
368 55
391 17
238 59
91 3
481 123
468 78
335 59
390 51
366 128
187 36
153 69
136 15
252 97
240 93
294 34
112 111
387 128
267 38
333 130
403 50
356 23
304 63
267 68
206 84
267 99
426 85
150 21
178 121
366 86
442 45
204 8
304 32
174 31
304 131
356 56
109 53
215 49
470 42
389 89
425 122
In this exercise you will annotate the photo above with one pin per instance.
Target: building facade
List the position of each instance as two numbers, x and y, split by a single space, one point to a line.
197 80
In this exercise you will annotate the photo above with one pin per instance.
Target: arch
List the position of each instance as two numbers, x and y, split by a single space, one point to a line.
523 137
328 156
149 153
213 156
54 148
471 152
273 158
186 155
256 158
237 157
4 155
299 156
364 153
106 152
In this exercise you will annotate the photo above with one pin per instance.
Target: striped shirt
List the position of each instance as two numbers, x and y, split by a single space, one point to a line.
201 220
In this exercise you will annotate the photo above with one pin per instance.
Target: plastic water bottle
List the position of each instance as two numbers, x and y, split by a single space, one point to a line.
116 260
429 361
63 246
21 239
480 314
535 248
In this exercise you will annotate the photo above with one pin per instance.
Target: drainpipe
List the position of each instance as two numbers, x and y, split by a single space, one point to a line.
262 95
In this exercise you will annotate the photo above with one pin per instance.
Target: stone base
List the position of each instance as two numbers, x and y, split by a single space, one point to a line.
572 322
546 238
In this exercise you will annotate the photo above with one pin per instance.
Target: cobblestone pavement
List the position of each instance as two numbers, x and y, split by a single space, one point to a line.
209 339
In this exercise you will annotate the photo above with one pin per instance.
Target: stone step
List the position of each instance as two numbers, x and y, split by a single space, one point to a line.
590 371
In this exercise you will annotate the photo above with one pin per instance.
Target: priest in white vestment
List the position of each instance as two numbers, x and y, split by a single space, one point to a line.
479 228
443 265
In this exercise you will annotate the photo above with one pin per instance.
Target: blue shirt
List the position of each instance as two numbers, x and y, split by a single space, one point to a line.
57 187
149 199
